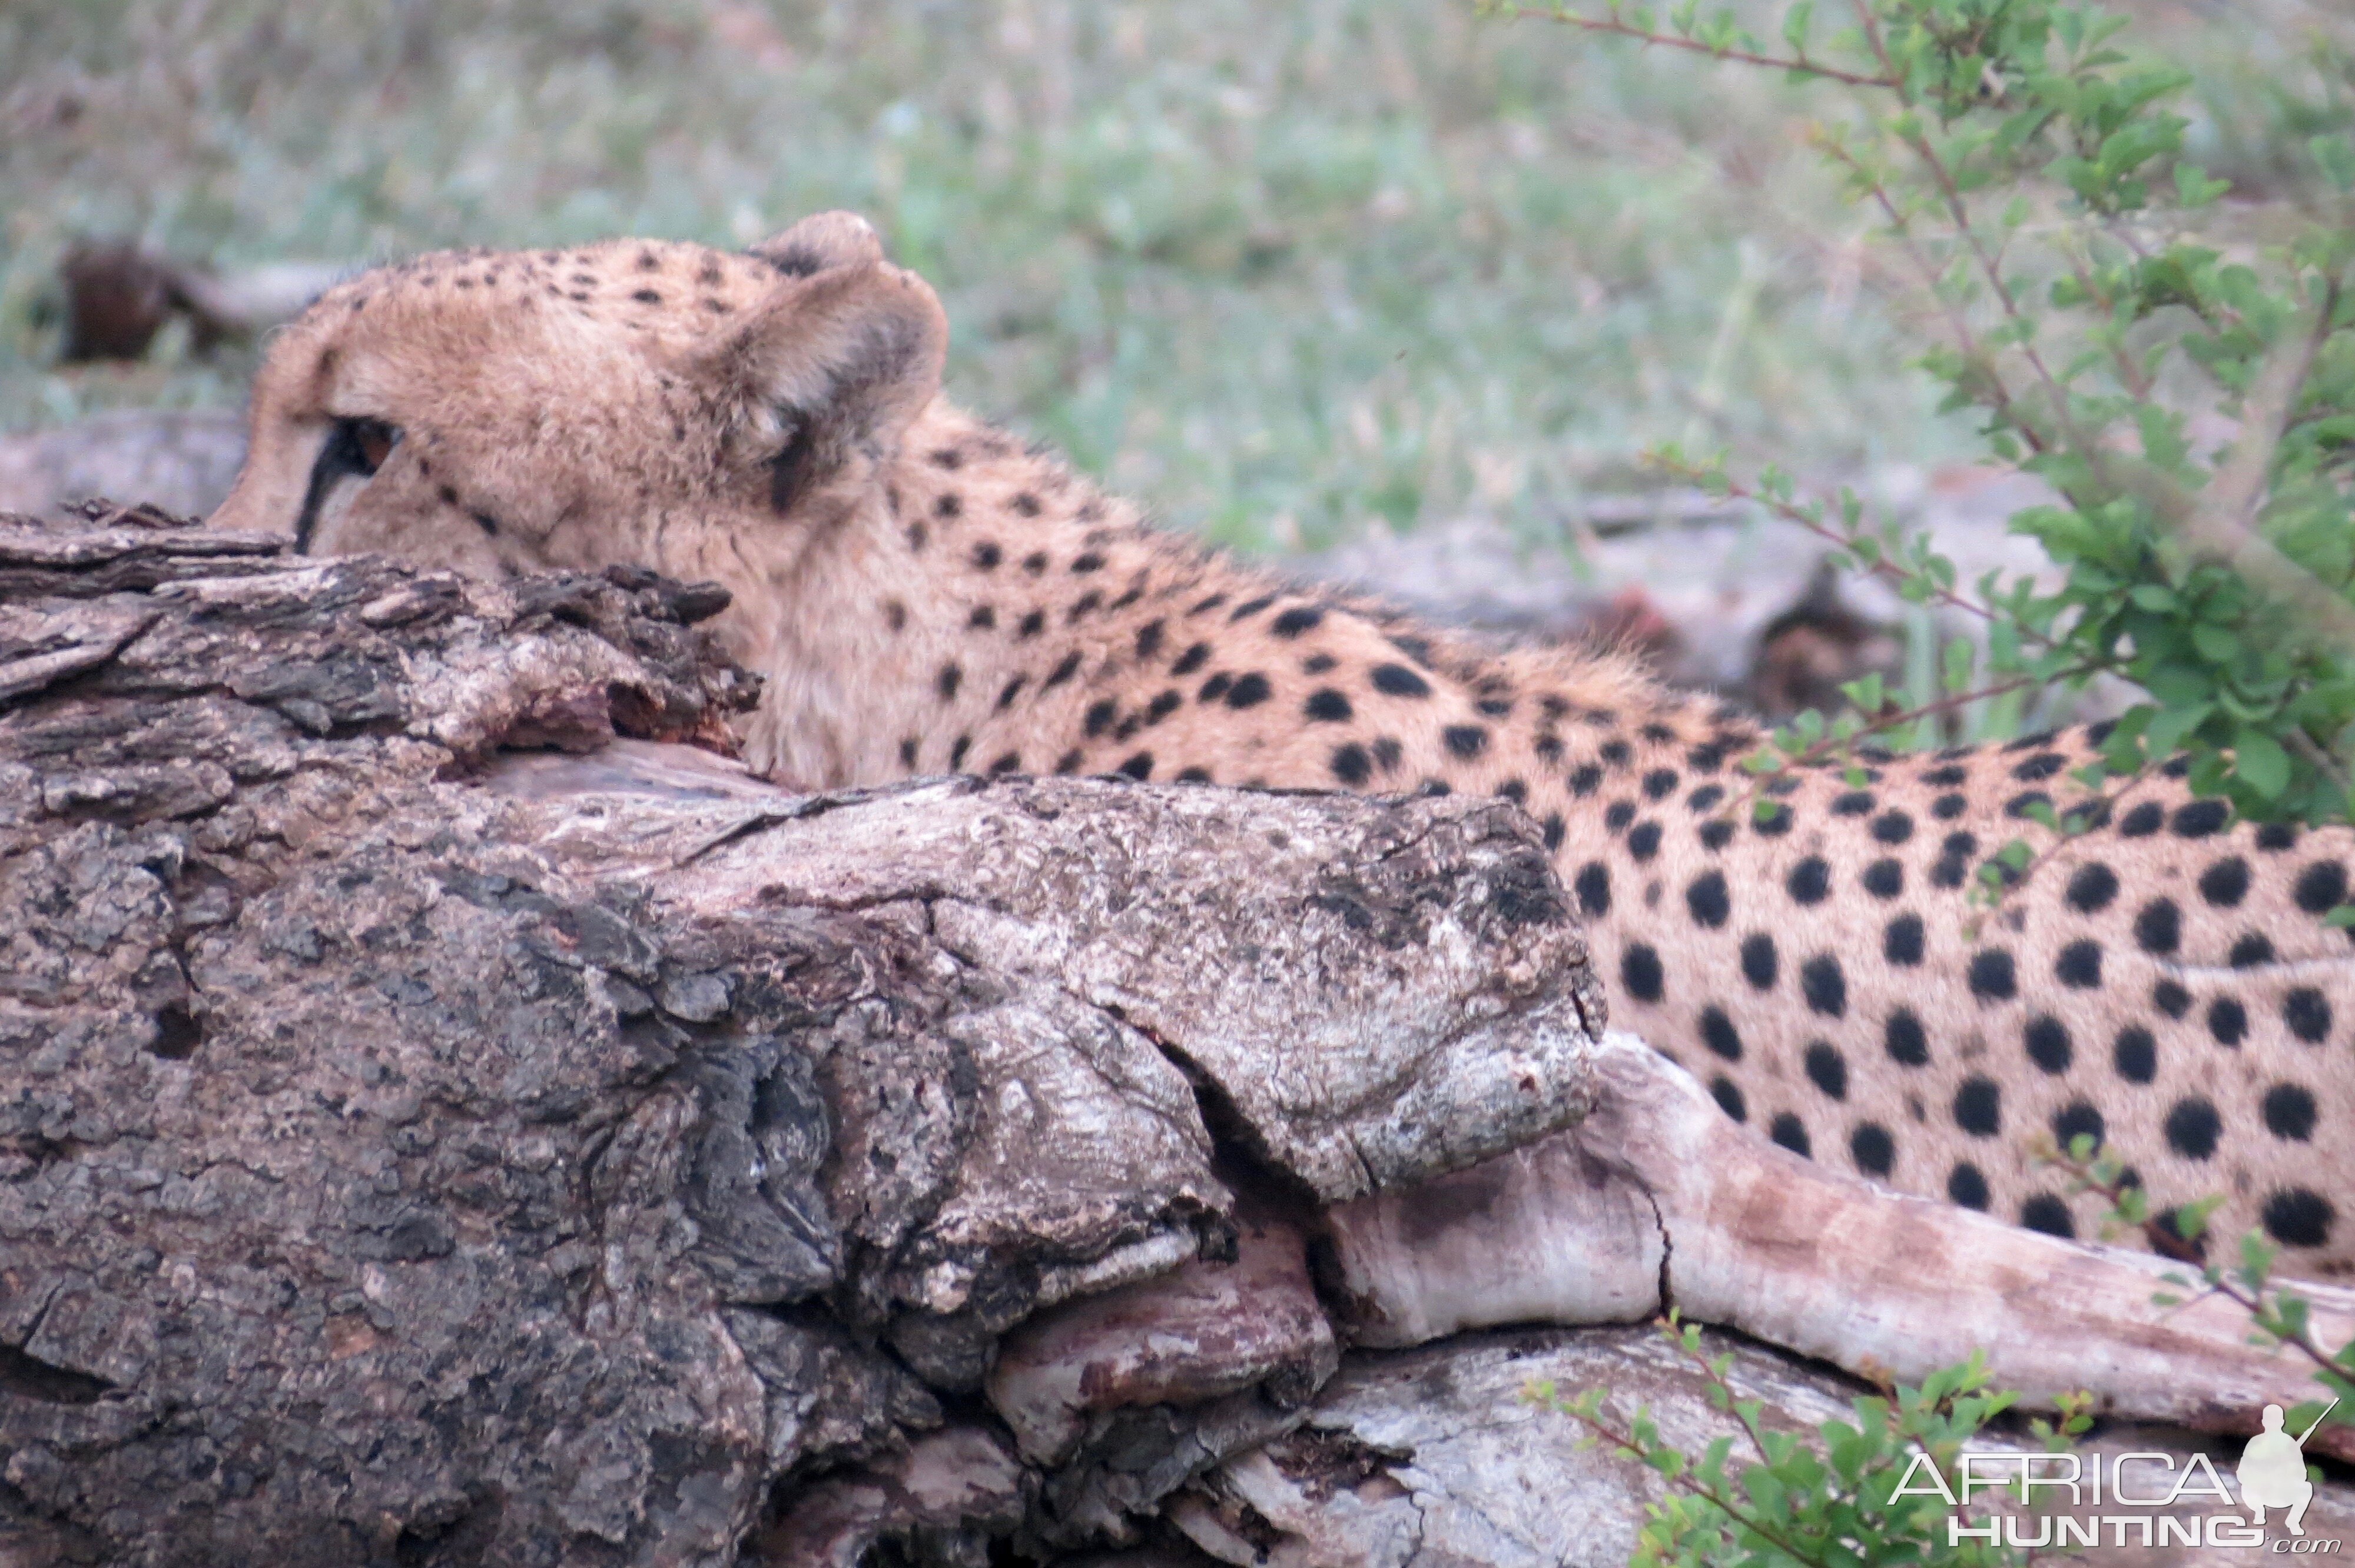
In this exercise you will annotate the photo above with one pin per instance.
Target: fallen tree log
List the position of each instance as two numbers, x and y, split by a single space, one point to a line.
415 1151
448 1115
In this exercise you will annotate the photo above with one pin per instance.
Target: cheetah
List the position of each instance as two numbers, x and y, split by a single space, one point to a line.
925 595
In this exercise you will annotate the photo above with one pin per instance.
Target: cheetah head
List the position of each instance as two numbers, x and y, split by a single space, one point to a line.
656 402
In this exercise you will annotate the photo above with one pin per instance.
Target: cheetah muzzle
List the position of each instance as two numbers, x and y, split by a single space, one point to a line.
925 595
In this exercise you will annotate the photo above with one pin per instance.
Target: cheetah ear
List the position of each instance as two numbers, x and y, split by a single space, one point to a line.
838 364
820 241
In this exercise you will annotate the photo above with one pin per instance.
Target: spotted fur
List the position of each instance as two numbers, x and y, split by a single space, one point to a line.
927 596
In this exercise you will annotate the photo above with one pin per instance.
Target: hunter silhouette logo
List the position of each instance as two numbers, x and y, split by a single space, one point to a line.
2273 1470
2114 1491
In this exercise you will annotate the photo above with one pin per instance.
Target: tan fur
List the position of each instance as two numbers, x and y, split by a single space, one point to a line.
933 597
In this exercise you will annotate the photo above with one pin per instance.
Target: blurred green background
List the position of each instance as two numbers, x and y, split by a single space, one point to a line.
1281 271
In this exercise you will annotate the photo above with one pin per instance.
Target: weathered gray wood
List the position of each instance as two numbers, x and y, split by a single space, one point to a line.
433 1130
1429 1458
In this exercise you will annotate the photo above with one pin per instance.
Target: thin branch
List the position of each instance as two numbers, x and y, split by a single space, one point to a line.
1614 28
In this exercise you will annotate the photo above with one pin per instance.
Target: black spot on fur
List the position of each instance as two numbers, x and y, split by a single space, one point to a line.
2079 966
2289 1112
1824 985
1593 889
908 752
1758 962
2135 1054
1810 880
1991 976
1640 972
2171 999
2192 1128
1100 717
1659 783
1774 821
1717 1031
1619 814
1791 1133
1978 1107
1644 842
2297 1216
1326 705
1466 741
2091 889
2308 1015
2321 887
2225 882
1138 766
1706 898
1884 879
1967 1187
1191 659
1704 798
1586 780
2201 818
2048 1214
2228 1022
1874 1151
1085 562
1250 608
947 682
1297 619
1062 671
1826 1069
1728 1097
1900 940
1907 1045
2142 821
1893 827
1351 766
1946 808
2254 947
2046 1039
1148 640
1249 691
1716 835
1031 625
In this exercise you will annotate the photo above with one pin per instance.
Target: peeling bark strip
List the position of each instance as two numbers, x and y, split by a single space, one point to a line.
416 1148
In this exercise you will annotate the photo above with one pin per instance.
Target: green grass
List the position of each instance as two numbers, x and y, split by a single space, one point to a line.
1279 270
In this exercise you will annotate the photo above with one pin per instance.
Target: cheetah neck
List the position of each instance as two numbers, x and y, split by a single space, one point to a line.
989 610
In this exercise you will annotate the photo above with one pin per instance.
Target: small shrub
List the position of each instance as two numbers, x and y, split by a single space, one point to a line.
2181 375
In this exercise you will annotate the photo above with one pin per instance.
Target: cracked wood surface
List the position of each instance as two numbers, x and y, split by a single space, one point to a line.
434 1131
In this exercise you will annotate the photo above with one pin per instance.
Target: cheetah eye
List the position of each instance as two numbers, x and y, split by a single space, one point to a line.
354 446
369 443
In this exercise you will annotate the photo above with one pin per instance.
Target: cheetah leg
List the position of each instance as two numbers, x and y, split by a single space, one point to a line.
1746 1235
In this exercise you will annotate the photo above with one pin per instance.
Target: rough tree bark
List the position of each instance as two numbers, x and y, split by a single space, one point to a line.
451 1116
413 1151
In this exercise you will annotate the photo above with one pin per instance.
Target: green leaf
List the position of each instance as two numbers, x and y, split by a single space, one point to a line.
2261 763
1794 27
